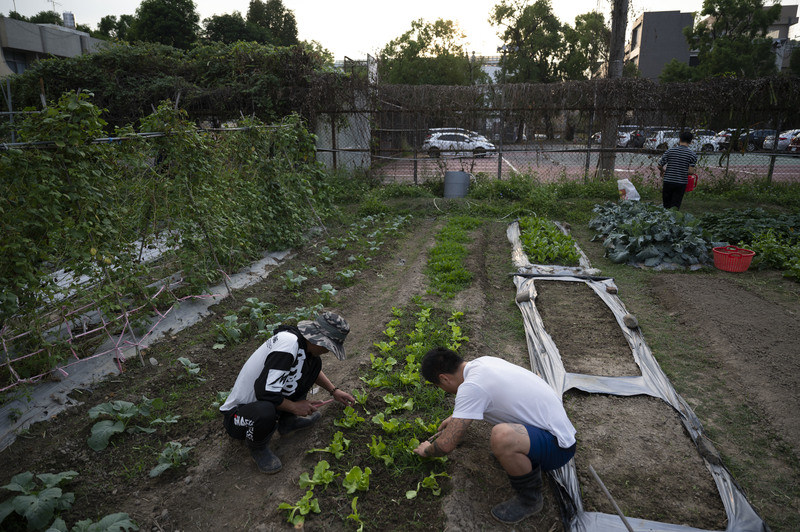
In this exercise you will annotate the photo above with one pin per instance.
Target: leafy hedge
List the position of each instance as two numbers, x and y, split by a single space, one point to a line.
215 81
78 216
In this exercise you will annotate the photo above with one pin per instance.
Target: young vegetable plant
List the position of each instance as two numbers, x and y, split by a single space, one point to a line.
397 402
356 479
292 281
337 447
350 419
303 507
355 516
322 476
326 293
347 276
378 449
230 331
192 369
122 413
39 499
173 455
389 426
428 482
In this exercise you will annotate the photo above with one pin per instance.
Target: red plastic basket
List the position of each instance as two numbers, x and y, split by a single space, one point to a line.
691 182
732 259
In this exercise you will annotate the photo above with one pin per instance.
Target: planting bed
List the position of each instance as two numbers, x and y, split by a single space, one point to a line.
637 445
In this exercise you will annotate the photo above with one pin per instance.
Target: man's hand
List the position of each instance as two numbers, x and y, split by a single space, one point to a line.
298 408
451 433
344 397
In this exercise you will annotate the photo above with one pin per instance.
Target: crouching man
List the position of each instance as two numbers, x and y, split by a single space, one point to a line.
270 391
531 432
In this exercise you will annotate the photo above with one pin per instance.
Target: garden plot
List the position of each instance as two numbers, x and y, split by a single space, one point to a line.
643 418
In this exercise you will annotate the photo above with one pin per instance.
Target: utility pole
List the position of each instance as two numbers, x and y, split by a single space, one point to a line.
616 59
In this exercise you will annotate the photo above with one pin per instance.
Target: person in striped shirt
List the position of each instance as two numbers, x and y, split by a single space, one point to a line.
675 166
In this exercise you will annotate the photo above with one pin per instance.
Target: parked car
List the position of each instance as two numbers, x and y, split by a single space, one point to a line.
624 134
743 139
638 137
704 140
662 140
457 143
794 144
784 138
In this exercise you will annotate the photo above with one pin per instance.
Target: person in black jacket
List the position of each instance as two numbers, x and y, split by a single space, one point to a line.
270 391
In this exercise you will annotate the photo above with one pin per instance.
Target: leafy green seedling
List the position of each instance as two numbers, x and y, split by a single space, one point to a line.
326 293
389 426
192 369
385 347
382 364
122 413
322 476
119 522
377 449
37 502
327 253
356 479
355 516
173 455
428 482
230 331
350 419
347 276
337 447
360 397
397 402
299 511
292 281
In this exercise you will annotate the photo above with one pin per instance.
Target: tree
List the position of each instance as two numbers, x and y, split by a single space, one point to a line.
274 17
429 54
172 22
731 40
227 28
532 41
587 46
46 17
112 28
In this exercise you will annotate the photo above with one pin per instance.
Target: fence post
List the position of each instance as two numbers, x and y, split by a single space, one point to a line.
500 149
774 151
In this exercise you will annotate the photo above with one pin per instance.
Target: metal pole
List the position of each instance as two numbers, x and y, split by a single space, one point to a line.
610 498
500 149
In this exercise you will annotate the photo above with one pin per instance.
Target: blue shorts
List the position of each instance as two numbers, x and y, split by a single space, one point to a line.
545 451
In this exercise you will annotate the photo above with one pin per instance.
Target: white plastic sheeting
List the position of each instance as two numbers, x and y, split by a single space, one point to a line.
546 361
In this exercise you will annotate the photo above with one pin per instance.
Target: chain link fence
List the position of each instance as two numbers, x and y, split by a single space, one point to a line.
548 132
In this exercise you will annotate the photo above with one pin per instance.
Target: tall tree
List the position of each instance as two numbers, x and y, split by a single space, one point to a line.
113 28
172 22
227 28
586 46
730 39
47 17
274 17
532 39
429 54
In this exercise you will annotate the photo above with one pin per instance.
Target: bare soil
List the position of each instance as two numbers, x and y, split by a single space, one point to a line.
637 445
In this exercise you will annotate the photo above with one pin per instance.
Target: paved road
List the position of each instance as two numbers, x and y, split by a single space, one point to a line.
559 163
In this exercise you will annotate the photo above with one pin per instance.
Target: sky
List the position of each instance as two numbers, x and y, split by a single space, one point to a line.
355 28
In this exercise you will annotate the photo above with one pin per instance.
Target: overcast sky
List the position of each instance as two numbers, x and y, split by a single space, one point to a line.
355 28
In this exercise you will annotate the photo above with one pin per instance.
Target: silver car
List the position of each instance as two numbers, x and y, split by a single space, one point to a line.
457 143
784 138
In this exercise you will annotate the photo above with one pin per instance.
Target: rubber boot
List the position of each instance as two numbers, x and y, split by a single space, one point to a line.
289 423
526 502
264 458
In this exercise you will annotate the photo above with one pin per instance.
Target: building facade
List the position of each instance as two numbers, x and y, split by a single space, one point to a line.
22 43
657 38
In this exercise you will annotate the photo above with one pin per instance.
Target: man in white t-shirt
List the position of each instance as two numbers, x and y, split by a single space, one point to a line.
531 432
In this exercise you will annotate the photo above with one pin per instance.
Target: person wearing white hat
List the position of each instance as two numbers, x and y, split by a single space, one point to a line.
271 389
